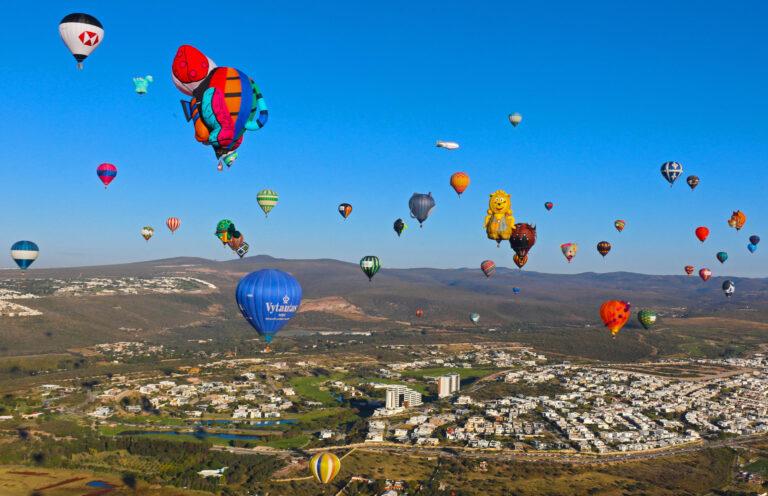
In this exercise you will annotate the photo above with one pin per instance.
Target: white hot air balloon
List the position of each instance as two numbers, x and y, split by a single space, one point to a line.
515 119
448 145
82 33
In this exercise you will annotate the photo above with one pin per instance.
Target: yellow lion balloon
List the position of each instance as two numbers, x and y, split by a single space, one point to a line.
499 223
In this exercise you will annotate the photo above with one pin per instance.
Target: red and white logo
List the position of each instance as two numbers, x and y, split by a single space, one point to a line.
89 38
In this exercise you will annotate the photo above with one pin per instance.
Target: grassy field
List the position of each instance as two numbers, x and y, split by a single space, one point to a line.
309 388
759 466
467 375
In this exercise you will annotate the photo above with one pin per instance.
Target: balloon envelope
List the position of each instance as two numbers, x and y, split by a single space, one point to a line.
705 274
24 253
173 223
268 299
752 247
82 33
324 467
689 269
549 205
619 225
345 209
729 288
603 248
106 173
459 182
692 181
474 317
421 206
615 314
399 226
702 233
516 290
671 171
488 267
647 318
267 200
370 265
515 119
754 239
722 256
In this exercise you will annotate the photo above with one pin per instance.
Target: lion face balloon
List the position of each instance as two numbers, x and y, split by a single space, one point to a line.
499 221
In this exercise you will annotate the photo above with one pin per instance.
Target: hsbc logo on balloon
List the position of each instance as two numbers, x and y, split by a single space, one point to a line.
89 38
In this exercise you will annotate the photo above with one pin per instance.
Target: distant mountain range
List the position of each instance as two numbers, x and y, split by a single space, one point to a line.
339 295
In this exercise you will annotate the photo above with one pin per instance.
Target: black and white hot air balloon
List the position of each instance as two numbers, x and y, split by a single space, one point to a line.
729 288
82 33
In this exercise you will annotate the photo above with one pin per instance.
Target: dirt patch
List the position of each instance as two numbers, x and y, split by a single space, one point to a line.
337 306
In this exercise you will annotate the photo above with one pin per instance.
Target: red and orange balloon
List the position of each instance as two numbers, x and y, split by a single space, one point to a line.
615 313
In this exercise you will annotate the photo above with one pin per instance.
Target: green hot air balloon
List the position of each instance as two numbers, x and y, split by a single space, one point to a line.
267 200
647 318
370 265
722 256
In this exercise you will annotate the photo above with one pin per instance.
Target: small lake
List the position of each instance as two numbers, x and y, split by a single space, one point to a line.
196 434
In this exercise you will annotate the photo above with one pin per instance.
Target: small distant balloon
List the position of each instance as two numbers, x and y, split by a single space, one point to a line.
488 267
729 288
173 224
702 233
705 274
548 205
324 467
106 173
692 181
147 232
615 314
344 210
459 182
419 312
448 145
24 253
619 225
689 269
647 318
141 84
474 317
267 200
671 171
515 119
721 256
569 250
752 247
603 248
516 290
370 265
421 206
399 226
737 220
754 239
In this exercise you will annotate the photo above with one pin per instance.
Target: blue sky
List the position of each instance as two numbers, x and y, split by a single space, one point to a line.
358 94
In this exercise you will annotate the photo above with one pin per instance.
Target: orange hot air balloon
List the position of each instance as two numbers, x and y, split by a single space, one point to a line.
702 233
459 182
520 261
615 314
689 269
173 223
737 220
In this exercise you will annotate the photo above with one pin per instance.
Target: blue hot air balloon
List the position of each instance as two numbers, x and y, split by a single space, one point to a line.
754 239
516 290
421 206
752 247
671 171
24 253
268 299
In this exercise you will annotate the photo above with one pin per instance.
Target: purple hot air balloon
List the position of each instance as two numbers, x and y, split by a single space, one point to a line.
754 239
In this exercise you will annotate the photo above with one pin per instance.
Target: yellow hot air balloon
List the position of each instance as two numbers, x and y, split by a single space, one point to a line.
499 220
324 467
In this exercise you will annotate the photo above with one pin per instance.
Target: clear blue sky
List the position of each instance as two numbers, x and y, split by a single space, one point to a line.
358 94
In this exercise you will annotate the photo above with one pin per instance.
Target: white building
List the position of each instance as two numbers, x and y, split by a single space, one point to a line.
401 397
447 385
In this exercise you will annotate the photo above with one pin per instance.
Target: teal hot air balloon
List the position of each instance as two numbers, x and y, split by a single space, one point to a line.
474 317
752 247
268 299
647 318
722 256
370 265
421 206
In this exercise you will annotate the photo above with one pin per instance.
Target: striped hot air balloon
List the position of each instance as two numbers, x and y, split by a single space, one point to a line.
173 223
488 267
345 209
267 200
370 265
82 33
324 467
107 173
24 253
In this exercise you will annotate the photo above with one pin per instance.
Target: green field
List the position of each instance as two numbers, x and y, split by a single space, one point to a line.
466 374
759 466
309 388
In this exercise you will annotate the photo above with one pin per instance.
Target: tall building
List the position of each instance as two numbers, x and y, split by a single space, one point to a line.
448 384
401 397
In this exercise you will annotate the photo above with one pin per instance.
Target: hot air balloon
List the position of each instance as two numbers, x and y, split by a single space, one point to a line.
147 232
647 318
752 247
448 145
569 250
225 102
399 226
236 241
224 230
24 253
615 314
106 173
737 220
702 233
499 221
515 119
671 171
419 312
603 248
345 209
267 200
754 239
548 205
324 467
521 240
459 182
488 267
689 269
516 290
173 223
82 33
421 206
729 288
619 225
705 274
141 84
474 317
268 299
370 265
721 256
692 181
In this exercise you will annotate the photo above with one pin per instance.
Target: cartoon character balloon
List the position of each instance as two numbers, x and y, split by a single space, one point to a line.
737 220
459 182
268 299
499 220
671 171
615 314
421 206
106 173
224 230
141 84
569 250
225 102
521 240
